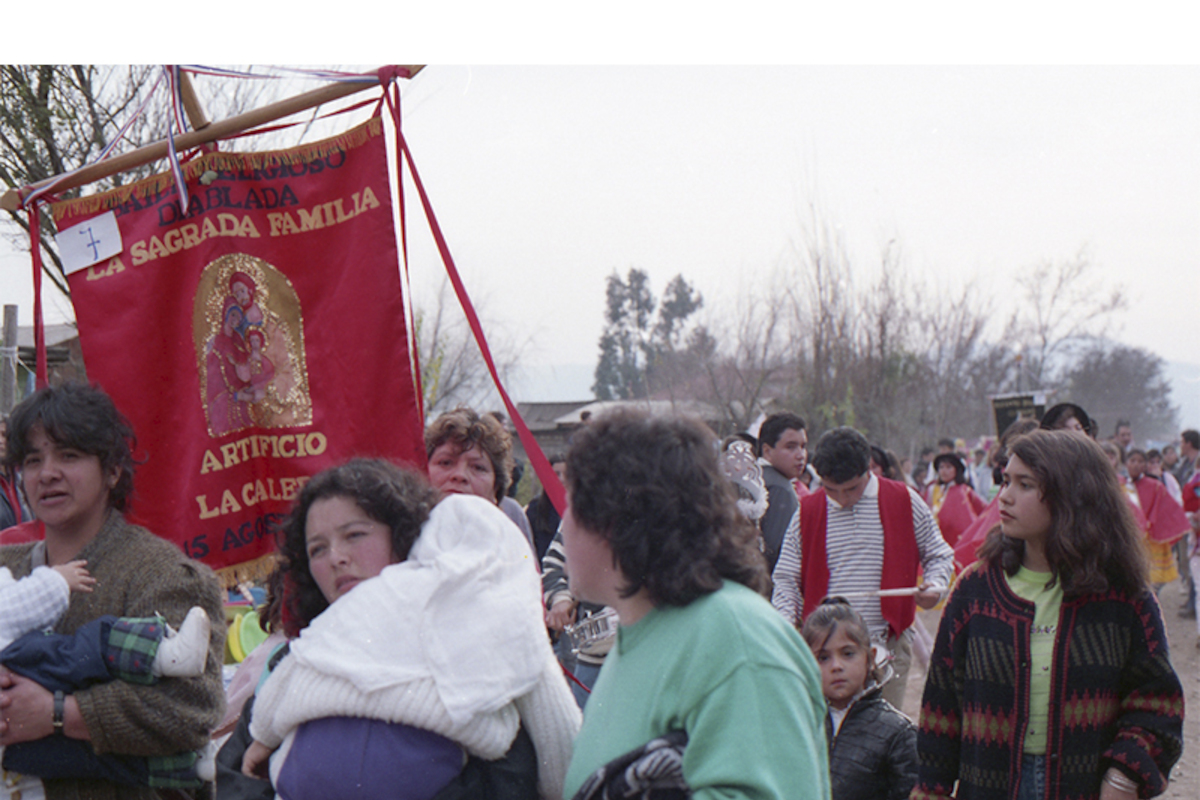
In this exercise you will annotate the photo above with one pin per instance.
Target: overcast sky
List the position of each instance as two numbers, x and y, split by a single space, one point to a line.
546 179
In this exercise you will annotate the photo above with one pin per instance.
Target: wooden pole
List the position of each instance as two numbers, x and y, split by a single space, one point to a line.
11 200
191 103
8 361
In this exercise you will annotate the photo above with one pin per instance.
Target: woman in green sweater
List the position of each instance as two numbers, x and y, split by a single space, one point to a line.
705 680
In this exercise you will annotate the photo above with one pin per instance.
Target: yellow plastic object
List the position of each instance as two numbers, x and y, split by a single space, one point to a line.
250 632
233 640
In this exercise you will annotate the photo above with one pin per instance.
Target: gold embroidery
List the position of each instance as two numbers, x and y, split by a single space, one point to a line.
248 330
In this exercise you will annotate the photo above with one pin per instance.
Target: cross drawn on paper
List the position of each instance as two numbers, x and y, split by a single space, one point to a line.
92 242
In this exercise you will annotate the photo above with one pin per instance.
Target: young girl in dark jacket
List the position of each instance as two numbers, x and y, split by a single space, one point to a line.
872 746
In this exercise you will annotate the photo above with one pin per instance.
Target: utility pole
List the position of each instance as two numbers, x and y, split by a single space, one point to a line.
8 361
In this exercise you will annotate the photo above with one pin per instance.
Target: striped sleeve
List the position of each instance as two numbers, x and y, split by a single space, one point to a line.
786 595
937 559
554 573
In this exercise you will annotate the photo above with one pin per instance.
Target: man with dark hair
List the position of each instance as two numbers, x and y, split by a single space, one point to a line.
12 508
923 468
783 454
860 535
1185 471
1189 451
1123 435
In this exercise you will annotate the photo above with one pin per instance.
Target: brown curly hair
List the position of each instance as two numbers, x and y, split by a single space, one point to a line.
399 498
465 428
1094 543
653 488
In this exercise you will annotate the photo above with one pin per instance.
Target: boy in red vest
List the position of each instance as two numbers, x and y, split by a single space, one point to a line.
857 535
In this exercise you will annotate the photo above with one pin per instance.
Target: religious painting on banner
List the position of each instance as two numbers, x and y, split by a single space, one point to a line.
252 341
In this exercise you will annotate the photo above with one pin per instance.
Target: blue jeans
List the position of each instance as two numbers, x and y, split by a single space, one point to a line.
587 674
1033 778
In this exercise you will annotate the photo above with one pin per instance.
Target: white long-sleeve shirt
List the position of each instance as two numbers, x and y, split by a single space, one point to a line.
854 552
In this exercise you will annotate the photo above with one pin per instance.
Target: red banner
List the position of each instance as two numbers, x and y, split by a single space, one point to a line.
252 341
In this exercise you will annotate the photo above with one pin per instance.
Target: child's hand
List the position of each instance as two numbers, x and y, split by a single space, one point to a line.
78 578
254 762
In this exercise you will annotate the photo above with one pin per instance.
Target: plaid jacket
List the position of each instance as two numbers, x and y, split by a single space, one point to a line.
1114 697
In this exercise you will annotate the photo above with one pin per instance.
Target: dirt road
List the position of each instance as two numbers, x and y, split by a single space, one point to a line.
1185 655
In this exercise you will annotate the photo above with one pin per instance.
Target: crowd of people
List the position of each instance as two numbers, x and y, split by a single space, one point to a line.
704 619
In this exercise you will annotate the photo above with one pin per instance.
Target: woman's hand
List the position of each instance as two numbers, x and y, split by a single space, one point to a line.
1117 786
26 709
255 762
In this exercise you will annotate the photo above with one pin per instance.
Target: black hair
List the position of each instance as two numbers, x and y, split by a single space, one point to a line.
1192 437
82 417
775 425
1057 417
399 498
960 469
652 487
825 620
842 455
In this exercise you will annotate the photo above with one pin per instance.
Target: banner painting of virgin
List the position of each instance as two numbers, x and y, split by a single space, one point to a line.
253 340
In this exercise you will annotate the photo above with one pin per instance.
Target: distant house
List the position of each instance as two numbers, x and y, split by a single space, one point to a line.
64 358
553 423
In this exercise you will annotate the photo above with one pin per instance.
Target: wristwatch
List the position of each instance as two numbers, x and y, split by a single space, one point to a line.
59 707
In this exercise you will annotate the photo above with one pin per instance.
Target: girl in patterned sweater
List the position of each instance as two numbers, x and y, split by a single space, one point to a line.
1050 677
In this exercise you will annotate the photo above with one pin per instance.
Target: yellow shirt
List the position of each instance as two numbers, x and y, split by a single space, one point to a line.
1047 601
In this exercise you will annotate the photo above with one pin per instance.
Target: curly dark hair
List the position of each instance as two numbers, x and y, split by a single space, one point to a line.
464 427
84 418
842 455
652 487
1094 542
399 498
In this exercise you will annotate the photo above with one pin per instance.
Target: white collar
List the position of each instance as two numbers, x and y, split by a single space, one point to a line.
871 491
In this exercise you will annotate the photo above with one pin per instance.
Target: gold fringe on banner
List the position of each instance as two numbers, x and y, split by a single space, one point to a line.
248 572
155 185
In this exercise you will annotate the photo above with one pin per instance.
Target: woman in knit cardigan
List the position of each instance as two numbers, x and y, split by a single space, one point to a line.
1050 673
425 651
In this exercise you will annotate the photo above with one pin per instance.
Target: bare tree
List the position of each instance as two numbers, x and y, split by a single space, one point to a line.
745 361
453 371
1065 306
56 118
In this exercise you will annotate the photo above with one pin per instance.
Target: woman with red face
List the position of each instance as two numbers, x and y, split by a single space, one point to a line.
472 454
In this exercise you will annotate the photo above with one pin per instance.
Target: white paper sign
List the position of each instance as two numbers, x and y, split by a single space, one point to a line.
89 242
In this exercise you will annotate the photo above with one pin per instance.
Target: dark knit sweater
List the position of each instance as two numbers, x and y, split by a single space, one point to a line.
138 574
1115 700
874 754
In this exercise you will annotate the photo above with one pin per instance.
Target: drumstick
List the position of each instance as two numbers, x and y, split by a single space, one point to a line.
911 590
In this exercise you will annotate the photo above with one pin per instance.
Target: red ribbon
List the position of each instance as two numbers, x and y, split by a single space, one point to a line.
39 329
537 459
